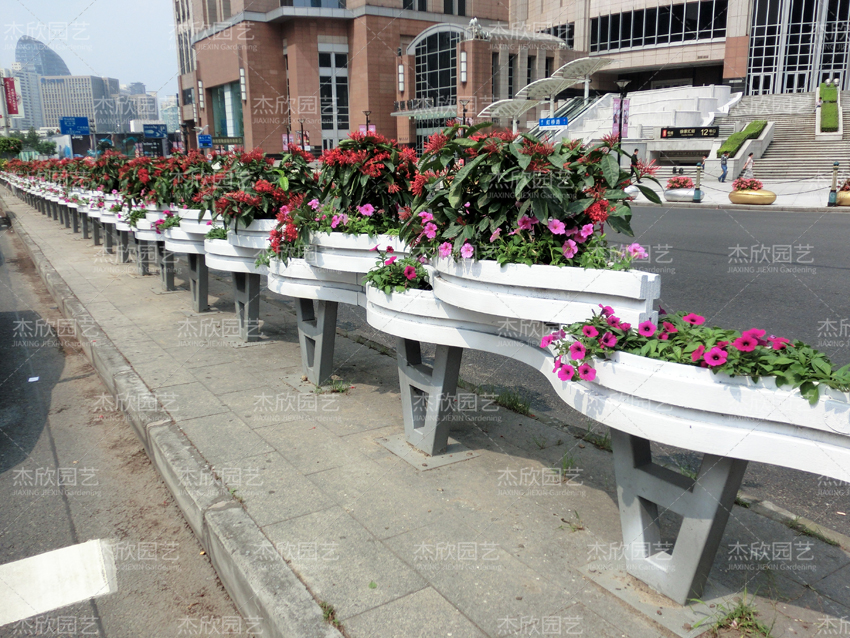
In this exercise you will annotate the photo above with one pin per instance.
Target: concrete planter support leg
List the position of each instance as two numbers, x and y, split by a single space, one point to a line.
643 487
199 282
67 212
85 225
316 334
165 263
108 238
55 207
425 394
61 210
75 220
124 245
95 231
246 291
143 257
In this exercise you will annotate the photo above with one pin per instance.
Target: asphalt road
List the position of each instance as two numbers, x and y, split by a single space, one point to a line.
788 273
71 470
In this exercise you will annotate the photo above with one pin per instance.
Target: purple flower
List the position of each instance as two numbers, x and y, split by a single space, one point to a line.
430 230
525 222
409 272
569 249
366 210
646 329
313 203
426 217
495 235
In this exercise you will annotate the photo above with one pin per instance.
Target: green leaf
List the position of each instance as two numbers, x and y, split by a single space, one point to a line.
822 366
810 391
621 225
611 169
616 193
650 194
578 206
373 585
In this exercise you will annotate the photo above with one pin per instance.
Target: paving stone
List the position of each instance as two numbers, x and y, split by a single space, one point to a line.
224 439
190 401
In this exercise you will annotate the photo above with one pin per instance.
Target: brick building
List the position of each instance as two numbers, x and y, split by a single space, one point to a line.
253 72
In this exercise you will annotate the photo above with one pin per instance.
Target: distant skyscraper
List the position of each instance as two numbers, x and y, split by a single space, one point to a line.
37 57
169 111
135 88
145 104
31 94
86 96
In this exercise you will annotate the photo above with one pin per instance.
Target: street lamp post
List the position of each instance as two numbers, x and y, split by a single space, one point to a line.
367 114
833 192
301 120
463 103
622 84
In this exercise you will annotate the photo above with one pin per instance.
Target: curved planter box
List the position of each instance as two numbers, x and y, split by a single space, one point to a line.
155 215
682 195
178 241
222 255
842 198
351 253
144 231
123 227
189 222
108 217
545 293
95 212
762 196
255 236
301 280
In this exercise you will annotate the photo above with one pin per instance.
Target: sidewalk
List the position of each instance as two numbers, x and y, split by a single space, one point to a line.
792 196
489 546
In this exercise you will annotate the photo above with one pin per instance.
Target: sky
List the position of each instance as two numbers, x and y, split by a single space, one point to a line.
131 40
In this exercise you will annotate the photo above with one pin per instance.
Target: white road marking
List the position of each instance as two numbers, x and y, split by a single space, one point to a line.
55 579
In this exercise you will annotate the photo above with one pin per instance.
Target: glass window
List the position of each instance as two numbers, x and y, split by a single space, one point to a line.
626 29
423 5
324 60
614 30
594 35
494 71
550 66
531 70
663 25
461 7
691 20
341 60
511 76
448 6
407 4
604 36
677 22
436 68
650 26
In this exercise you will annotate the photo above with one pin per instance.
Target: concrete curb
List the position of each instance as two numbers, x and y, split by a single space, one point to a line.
257 578
776 209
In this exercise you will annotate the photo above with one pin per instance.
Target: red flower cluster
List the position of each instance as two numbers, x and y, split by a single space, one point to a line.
598 211
435 143
536 148
339 157
265 188
233 202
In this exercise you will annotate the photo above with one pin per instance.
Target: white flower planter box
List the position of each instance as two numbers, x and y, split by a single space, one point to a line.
303 281
108 217
95 212
154 215
255 236
123 227
351 253
545 293
222 255
144 231
179 241
682 194
190 222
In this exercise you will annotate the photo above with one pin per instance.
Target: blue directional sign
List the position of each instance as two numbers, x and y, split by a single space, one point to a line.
74 126
205 141
553 122
155 131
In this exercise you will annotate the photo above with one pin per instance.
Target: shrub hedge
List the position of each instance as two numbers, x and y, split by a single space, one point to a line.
828 93
829 117
735 141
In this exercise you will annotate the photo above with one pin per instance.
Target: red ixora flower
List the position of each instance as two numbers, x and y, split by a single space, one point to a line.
598 211
436 142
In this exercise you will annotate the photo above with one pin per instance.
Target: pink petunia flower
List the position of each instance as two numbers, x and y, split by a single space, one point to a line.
566 373
570 248
547 340
715 357
426 217
745 343
624 326
367 210
445 249
669 327
637 251
556 227
755 333
778 343
577 351
391 261
466 251
696 355
608 340
586 231
313 203
430 230
586 372
646 329
525 222
409 272
590 331
495 235
694 319
606 311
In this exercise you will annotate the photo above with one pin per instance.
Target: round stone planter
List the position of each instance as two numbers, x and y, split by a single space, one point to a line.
545 293
255 236
632 191
762 197
153 208
108 217
301 280
123 227
351 253
222 255
842 198
179 241
682 195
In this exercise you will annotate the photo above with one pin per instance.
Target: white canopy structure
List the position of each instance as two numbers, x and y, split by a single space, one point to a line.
508 108
580 70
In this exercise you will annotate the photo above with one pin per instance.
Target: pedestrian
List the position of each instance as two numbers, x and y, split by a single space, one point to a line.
634 170
701 164
818 104
724 166
748 167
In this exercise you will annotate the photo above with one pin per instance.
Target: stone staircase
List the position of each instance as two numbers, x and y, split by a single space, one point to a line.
794 153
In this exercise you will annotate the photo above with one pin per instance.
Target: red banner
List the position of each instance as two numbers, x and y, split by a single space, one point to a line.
11 96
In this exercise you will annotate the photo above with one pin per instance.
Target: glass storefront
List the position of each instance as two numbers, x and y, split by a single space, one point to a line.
227 110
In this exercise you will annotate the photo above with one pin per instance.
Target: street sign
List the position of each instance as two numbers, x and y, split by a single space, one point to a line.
155 131
205 141
74 126
547 123
700 131
238 141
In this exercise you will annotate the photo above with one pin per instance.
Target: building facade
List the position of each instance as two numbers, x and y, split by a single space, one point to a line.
256 77
169 110
96 98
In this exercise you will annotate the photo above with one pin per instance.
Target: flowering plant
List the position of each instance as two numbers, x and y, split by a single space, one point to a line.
684 338
132 218
516 199
249 191
747 184
845 186
680 181
169 221
366 178
397 275
216 232
283 238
